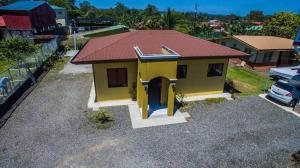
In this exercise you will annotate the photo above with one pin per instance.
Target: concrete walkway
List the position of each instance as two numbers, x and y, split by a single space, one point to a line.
70 68
204 97
158 118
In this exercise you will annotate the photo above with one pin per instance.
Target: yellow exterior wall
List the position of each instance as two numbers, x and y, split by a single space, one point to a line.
103 93
151 70
197 82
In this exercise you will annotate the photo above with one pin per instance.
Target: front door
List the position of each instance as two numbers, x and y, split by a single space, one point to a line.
154 91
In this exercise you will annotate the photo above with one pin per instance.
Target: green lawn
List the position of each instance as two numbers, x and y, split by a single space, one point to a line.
248 82
4 65
105 32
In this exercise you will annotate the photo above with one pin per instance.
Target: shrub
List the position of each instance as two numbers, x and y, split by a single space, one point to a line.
102 118
133 92
69 43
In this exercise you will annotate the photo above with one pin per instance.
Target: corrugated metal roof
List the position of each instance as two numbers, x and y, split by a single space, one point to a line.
121 46
57 7
2 22
23 5
266 42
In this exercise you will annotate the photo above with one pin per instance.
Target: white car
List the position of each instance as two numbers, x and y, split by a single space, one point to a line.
286 91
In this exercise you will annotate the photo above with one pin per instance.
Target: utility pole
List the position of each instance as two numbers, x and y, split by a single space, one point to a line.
196 13
74 40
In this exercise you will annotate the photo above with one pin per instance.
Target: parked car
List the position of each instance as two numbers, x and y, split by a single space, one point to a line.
286 91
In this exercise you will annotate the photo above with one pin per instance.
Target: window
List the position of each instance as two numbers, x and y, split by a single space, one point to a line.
117 77
247 50
215 70
181 71
267 57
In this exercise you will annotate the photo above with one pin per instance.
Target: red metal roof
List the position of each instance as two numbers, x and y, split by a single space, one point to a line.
120 46
2 22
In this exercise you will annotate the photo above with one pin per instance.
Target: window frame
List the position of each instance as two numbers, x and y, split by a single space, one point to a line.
119 83
178 75
268 56
209 74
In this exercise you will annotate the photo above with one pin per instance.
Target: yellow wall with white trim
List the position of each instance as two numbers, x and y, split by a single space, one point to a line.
103 93
197 82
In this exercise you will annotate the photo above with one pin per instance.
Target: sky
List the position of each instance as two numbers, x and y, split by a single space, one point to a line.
238 7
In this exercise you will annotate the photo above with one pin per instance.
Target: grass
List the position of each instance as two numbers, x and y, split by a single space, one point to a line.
5 65
215 100
248 82
60 63
104 32
185 107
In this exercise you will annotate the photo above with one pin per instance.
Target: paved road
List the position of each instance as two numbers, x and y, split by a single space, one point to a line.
50 129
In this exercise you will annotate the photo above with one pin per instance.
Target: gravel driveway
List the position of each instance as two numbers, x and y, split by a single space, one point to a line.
50 129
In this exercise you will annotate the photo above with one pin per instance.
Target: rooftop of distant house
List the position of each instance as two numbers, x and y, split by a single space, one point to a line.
121 46
23 5
57 7
266 42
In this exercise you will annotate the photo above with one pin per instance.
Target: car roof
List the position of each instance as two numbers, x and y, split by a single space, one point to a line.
291 83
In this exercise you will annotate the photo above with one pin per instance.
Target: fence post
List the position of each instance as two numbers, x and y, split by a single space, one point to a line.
10 76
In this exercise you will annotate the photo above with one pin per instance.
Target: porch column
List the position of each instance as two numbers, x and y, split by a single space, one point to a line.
171 97
145 100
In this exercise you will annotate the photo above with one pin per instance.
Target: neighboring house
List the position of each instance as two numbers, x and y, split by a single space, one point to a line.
156 63
28 19
61 15
216 25
265 52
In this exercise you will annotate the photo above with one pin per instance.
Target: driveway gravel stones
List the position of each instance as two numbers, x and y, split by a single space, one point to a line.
51 129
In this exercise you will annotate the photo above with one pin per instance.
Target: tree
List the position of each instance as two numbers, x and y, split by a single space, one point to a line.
256 16
151 10
85 6
73 11
15 49
203 29
155 22
121 9
183 28
6 2
169 19
283 24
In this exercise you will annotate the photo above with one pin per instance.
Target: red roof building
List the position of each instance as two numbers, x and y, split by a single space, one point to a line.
27 18
152 66
2 22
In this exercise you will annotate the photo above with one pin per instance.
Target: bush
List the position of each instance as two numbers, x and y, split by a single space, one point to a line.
69 43
102 118
133 92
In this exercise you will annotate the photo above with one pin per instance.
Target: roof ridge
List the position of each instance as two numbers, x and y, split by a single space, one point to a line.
134 33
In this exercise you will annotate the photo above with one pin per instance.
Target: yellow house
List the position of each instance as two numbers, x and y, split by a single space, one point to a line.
152 66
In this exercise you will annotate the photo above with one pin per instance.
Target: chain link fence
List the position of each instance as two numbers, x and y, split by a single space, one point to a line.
15 76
